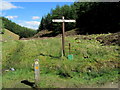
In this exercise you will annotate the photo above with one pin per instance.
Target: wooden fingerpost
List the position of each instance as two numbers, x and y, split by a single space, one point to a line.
63 31
37 72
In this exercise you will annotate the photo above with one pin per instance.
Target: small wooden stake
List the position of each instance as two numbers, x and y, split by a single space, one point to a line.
37 72
69 48
70 56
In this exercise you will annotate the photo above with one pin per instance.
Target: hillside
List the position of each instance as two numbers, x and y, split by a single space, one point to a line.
46 33
8 35
91 17
23 32
93 63
112 39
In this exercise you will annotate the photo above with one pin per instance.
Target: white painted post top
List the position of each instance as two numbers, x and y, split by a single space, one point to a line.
62 17
61 20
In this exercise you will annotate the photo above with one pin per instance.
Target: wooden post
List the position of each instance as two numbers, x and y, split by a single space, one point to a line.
63 37
37 72
63 31
69 48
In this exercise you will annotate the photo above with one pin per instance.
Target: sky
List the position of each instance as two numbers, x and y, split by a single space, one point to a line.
28 14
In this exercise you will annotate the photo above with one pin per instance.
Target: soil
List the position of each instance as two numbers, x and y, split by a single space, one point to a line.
113 39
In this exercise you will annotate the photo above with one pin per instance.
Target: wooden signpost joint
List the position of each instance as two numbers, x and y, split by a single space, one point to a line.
63 32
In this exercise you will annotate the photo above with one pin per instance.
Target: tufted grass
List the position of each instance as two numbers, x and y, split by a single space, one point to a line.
93 64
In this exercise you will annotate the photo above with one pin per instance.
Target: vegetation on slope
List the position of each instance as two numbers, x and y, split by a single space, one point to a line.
91 17
93 64
8 35
17 29
112 39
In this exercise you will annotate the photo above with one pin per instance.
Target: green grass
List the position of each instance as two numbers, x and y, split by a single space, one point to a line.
93 64
8 35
